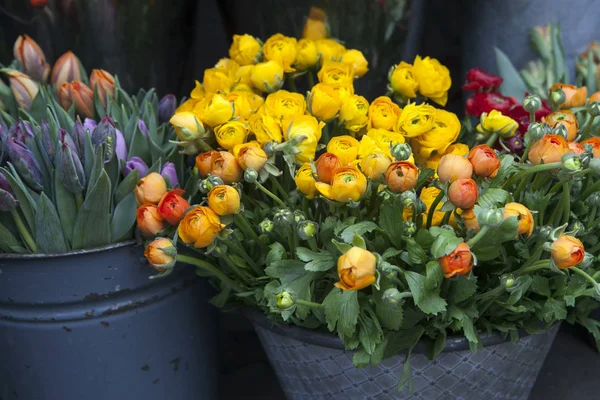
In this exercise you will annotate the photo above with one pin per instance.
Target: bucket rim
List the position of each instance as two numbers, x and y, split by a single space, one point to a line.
112 246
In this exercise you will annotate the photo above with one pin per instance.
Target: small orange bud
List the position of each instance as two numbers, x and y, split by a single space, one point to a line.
326 164
149 220
568 251
105 83
548 149
459 262
565 118
172 206
401 176
523 215
576 148
150 189
80 95
484 160
463 193
453 167
159 254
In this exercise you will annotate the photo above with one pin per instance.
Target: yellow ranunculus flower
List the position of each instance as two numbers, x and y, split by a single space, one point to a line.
242 76
307 54
356 269
375 165
281 49
224 200
231 134
383 113
187 105
227 64
358 61
385 140
348 183
434 79
495 121
316 25
245 49
323 102
267 76
428 196
200 226
446 129
336 73
305 126
241 87
330 50
402 80
216 80
415 120
265 127
214 110
244 103
353 113
305 181
187 125
367 146
198 93
237 148
344 147
282 104
343 92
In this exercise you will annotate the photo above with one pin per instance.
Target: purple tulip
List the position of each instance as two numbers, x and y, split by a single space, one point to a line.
89 124
143 128
21 131
78 134
121 146
70 169
168 172
25 164
105 135
135 163
3 140
65 138
166 108
47 144
8 202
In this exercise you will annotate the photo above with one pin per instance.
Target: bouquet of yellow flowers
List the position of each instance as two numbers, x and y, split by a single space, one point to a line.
371 220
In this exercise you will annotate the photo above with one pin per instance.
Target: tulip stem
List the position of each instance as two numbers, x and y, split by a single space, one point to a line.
585 275
29 242
79 200
437 200
210 268
484 229
270 194
492 139
308 303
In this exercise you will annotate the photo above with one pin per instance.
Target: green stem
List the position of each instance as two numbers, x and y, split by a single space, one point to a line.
311 79
434 205
588 128
492 139
243 224
243 275
79 200
534 257
270 194
491 293
446 218
541 264
484 229
293 240
591 217
526 152
308 303
280 188
591 189
585 275
531 170
212 269
292 83
566 202
312 243
521 186
242 252
325 134
29 242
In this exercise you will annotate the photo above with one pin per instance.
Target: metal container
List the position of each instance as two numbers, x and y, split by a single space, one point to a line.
91 325
313 365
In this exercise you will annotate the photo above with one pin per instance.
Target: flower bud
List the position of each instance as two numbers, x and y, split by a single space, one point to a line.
484 160
392 297
166 108
307 229
250 175
458 262
252 157
573 96
204 162
8 202
356 269
410 227
78 94
523 215
508 281
420 207
408 198
299 216
172 206
150 189
133 164
32 58
105 134
375 165
594 108
594 199
576 227
285 301
224 200
453 167
492 217
571 163
149 220
89 125
463 193
25 164
532 103
104 82
594 165
169 173
326 165
24 88
70 169
561 131
120 146
143 128
568 251
266 226
536 131
67 69
401 151
161 254
78 135
401 176
283 217
556 98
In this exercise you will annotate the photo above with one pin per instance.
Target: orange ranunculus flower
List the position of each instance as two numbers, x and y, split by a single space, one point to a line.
463 193
595 142
375 165
172 206
200 226
204 162
594 97
401 176
149 220
548 149
150 189
305 182
105 83
326 164
252 157
316 26
80 95
565 118
66 69
345 147
524 216
484 160
576 148
347 183
470 220
453 167
568 251
574 96
356 269
224 200
459 262
160 254
224 165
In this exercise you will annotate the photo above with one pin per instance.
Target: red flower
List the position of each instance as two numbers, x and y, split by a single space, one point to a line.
486 102
519 114
172 207
479 80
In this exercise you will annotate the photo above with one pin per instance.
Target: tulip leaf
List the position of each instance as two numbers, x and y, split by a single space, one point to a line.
126 186
114 172
49 236
125 100
92 227
9 243
590 80
139 145
7 117
26 203
97 169
123 217
66 205
37 110
158 154
513 85
89 159
129 129
100 111
150 116
558 55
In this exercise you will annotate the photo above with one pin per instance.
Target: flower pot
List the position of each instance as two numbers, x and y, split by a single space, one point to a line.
91 325
314 365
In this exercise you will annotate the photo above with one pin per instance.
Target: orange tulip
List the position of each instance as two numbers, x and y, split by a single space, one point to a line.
568 251
463 193
595 142
80 95
326 165
401 176
523 215
548 149
574 96
149 220
565 118
32 58
484 160
453 167
66 69
459 262
172 206
105 83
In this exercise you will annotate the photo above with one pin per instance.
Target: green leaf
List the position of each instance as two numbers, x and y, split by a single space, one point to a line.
389 317
507 169
285 269
540 285
590 80
126 186
461 289
341 311
369 331
416 254
357 229
97 170
424 175
89 159
66 205
92 226
403 340
139 146
150 118
276 253
428 301
434 276
560 64
361 358
26 203
342 247
300 285
437 345
38 107
316 261
123 217
100 111
553 310
390 221
465 317
493 197
444 245
49 236
9 243
513 85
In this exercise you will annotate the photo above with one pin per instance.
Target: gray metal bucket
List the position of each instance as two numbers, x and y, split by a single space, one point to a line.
91 325
313 365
